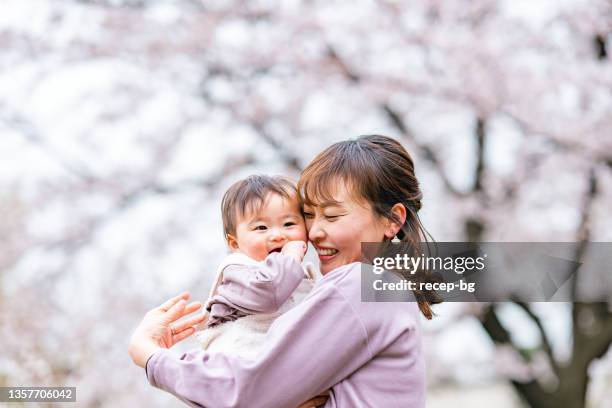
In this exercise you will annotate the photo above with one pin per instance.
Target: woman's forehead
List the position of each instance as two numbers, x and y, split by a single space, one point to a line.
325 205
338 194
324 192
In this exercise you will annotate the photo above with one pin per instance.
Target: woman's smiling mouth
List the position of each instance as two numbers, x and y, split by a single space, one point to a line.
326 254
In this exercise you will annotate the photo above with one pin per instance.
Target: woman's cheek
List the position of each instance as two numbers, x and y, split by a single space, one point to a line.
340 233
308 224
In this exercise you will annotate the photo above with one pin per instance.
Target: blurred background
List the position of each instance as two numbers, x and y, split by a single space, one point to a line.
122 122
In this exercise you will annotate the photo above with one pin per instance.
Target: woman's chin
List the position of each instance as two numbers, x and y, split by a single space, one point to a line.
326 265
330 262
324 268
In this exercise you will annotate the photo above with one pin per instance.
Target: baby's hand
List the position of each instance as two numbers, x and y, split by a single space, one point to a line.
295 249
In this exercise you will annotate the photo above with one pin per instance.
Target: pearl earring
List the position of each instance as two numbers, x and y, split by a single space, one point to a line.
395 240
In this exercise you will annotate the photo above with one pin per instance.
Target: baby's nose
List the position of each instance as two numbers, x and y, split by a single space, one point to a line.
276 235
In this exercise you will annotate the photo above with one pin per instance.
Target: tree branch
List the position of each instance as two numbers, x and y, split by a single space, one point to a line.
291 159
545 340
399 123
480 150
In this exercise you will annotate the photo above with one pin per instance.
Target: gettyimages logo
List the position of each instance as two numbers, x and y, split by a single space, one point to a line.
459 264
486 272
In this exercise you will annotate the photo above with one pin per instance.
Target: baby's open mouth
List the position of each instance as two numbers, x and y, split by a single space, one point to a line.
275 250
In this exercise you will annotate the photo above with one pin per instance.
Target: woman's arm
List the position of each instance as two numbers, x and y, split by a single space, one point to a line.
308 350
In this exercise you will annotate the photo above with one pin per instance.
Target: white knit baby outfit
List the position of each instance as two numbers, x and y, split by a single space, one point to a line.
245 336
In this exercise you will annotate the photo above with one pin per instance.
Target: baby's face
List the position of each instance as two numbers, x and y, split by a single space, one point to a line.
278 221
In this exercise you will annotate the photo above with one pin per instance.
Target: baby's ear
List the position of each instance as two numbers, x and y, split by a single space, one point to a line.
232 242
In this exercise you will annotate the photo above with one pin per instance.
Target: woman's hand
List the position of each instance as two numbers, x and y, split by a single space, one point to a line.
160 329
317 401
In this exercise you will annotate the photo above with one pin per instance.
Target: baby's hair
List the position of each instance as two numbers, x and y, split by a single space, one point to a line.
378 170
247 195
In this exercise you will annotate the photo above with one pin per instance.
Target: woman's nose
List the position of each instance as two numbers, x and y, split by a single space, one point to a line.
315 232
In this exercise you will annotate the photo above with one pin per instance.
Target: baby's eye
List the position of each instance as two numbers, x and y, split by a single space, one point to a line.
261 228
290 224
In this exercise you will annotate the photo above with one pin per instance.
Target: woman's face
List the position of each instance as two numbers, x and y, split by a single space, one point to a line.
337 229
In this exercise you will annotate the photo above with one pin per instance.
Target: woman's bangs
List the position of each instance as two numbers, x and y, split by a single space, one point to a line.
342 165
320 188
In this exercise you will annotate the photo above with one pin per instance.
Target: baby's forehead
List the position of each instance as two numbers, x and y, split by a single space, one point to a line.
272 205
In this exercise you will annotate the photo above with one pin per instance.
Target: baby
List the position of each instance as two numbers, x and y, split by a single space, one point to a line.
263 276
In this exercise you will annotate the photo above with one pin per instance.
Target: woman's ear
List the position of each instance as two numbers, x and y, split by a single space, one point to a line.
232 242
399 211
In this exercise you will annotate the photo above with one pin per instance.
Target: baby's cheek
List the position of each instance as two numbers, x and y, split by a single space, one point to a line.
302 234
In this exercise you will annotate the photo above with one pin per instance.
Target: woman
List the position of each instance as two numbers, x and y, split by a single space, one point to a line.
368 354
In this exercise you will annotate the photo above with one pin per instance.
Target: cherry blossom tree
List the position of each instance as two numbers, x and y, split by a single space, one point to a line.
123 121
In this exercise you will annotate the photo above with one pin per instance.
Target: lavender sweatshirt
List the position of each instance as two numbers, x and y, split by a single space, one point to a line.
251 287
369 354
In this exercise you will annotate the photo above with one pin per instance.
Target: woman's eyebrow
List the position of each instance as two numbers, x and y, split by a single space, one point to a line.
332 204
324 206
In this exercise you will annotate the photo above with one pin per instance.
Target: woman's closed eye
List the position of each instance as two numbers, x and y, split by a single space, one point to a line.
308 215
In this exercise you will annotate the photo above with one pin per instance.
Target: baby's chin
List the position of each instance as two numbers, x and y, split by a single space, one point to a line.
262 256
254 256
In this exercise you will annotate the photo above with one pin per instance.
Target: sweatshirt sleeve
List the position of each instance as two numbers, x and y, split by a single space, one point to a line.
261 288
308 350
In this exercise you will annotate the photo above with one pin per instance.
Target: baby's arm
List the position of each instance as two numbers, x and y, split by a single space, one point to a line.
262 288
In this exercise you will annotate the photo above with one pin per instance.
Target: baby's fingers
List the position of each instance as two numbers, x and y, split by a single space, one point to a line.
316 401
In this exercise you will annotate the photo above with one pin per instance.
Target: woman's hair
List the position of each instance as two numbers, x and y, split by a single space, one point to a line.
247 195
380 171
